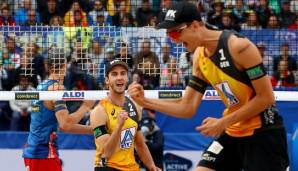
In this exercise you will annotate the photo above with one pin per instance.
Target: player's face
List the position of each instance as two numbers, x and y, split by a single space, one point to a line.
117 79
183 34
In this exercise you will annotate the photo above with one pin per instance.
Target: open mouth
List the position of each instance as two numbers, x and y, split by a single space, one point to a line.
119 85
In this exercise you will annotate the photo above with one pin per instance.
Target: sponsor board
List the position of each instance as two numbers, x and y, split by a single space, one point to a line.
26 96
169 94
73 95
211 95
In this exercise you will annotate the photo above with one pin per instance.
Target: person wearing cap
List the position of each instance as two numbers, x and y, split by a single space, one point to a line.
250 136
40 152
115 121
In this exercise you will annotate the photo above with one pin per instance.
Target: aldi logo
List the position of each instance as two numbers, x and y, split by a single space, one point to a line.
73 95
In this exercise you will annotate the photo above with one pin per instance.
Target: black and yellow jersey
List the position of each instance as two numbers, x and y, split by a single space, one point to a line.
233 85
123 157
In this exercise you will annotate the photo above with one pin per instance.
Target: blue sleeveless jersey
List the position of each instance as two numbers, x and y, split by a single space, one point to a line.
41 141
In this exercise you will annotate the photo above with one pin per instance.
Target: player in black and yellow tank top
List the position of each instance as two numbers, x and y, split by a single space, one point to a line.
250 136
116 130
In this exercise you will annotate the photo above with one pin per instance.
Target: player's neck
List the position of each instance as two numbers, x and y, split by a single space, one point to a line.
211 41
116 99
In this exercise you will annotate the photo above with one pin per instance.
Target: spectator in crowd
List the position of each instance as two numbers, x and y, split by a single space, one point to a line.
152 20
238 11
77 74
286 17
285 55
150 77
11 59
31 19
294 6
109 56
273 22
165 55
98 10
120 12
75 16
146 55
283 77
143 13
114 5
295 25
3 76
263 12
100 20
171 75
164 5
5 16
227 23
124 55
214 16
21 15
51 9
185 64
37 61
21 108
127 20
56 21
204 7
96 56
252 22
267 59
154 137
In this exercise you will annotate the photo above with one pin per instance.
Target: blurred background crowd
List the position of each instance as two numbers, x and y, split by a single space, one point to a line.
23 63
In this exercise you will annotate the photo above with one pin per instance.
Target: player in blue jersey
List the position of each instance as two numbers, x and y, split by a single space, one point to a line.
40 153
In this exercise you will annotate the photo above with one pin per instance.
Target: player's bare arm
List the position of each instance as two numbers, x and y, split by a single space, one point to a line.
65 120
184 107
144 152
108 143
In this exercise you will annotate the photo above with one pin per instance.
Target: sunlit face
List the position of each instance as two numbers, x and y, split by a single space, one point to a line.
117 79
185 34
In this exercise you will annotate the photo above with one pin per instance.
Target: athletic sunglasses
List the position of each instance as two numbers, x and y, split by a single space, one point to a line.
176 33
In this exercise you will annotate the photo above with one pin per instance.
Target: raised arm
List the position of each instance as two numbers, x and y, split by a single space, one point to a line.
85 107
184 107
67 122
106 141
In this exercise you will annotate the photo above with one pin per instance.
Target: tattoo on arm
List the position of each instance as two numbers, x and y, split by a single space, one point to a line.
244 48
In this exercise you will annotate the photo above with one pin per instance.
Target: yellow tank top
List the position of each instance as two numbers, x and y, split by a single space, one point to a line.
123 157
232 85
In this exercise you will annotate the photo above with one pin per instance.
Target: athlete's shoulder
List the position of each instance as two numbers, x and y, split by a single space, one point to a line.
238 44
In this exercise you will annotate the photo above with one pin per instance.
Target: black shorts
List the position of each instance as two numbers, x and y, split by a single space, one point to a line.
263 151
105 169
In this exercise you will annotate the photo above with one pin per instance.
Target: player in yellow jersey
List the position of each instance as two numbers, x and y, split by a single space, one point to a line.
116 130
250 136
